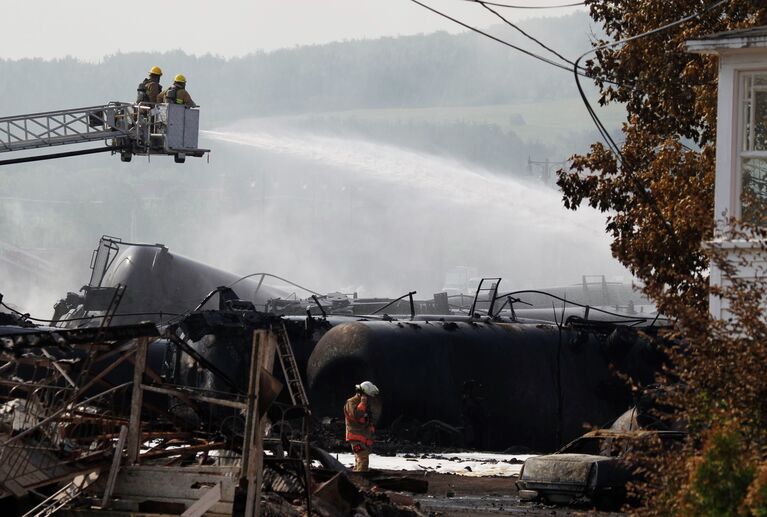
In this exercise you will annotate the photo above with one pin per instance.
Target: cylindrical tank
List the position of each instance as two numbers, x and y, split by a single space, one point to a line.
159 281
511 384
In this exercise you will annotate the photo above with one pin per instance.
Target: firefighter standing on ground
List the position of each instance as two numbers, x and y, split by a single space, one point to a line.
359 424
177 93
150 88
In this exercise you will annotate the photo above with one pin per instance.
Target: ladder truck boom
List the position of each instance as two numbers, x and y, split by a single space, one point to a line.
126 129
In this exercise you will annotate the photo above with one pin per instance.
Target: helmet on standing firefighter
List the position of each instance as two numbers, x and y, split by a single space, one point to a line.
179 79
156 70
368 388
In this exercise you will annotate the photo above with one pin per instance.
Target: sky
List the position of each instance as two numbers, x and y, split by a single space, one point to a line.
92 29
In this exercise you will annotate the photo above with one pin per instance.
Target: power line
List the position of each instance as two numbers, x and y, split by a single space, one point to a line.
499 40
509 6
578 73
514 26
602 130
641 190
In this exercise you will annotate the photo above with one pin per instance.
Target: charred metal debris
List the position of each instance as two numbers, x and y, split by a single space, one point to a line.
153 392
189 419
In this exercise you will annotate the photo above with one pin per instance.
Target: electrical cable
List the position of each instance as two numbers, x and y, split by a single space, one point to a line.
525 34
510 6
499 40
577 70
657 30
615 149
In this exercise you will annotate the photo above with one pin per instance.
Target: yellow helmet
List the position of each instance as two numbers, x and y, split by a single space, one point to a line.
179 79
155 70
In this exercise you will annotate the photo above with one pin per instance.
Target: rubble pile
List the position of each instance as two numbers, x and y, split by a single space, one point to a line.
88 422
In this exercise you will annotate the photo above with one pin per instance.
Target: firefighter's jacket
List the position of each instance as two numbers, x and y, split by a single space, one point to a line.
148 91
359 426
176 95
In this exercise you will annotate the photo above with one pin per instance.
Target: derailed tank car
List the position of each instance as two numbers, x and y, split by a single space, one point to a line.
157 285
502 384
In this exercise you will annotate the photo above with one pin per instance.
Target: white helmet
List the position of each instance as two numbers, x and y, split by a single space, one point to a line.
368 388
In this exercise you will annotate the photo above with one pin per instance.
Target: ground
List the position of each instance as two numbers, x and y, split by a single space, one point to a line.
468 483
455 495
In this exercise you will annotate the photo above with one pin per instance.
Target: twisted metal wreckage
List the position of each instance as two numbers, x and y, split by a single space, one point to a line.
132 401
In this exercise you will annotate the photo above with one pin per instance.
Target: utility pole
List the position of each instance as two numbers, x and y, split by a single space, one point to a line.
546 169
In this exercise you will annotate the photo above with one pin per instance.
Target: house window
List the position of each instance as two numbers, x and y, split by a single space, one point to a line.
753 149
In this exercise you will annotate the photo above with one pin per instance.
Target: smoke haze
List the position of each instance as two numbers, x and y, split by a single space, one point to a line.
371 166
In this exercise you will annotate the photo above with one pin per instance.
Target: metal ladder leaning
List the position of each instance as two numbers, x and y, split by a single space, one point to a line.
289 366
113 305
299 398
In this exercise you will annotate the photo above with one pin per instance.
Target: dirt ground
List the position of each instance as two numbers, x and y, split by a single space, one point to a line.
453 495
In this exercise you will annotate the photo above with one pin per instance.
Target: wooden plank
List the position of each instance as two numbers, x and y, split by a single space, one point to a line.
134 425
131 505
183 483
184 451
253 435
204 503
270 350
192 396
259 336
258 443
17 489
201 470
115 466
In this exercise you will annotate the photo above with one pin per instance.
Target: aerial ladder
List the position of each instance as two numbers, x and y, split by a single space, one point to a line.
126 129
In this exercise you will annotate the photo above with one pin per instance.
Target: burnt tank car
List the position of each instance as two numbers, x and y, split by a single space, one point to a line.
158 284
503 384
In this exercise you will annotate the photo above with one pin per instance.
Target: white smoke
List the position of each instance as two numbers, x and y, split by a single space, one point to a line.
355 215
329 213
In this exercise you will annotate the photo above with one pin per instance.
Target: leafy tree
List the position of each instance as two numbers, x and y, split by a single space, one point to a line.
659 197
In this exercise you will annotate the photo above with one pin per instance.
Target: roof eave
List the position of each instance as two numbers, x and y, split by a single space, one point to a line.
719 46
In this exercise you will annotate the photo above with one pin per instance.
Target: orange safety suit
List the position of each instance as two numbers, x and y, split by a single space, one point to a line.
359 430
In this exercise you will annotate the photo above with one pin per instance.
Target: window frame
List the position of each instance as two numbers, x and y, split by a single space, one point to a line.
742 147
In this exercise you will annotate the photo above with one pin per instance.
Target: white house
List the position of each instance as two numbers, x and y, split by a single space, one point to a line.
741 144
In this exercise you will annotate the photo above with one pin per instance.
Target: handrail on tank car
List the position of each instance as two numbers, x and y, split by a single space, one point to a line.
412 305
588 307
263 275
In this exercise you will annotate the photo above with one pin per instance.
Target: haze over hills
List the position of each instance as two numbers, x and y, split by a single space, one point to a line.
437 69
461 93
318 144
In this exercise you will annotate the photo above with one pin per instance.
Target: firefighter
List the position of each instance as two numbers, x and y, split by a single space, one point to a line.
359 424
177 93
150 88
